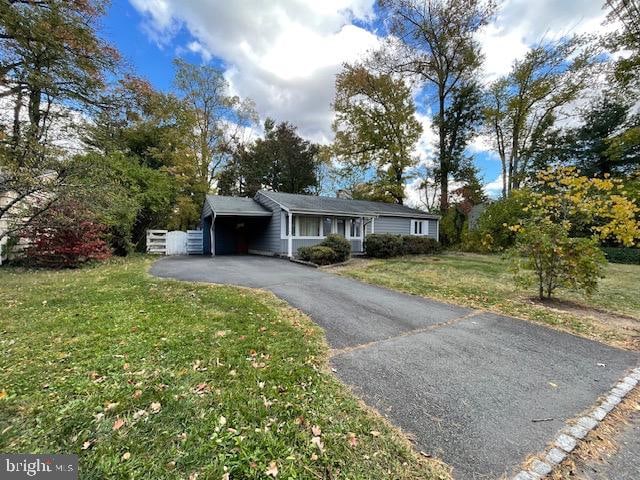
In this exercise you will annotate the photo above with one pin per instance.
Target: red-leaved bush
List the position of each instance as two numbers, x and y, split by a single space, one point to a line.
65 236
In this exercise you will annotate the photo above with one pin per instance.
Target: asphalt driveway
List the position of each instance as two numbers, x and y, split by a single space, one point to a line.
465 384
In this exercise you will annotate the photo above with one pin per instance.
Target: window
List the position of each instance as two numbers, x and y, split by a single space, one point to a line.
303 226
327 225
356 228
340 226
419 227
308 226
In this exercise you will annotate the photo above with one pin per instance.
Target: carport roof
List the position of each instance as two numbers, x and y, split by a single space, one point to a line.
222 205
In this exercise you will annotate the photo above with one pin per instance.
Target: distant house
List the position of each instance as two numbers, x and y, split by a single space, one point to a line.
475 213
274 223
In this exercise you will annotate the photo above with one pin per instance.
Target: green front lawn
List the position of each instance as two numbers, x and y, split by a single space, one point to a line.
146 378
483 281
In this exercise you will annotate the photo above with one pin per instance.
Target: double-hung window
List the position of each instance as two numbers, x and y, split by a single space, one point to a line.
419 227
308 226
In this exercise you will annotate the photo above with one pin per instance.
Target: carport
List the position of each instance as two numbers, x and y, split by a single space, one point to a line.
230 224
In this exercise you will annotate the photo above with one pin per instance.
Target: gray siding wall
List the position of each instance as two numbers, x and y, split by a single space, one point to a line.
395 225
433 229
309 242
400 226
269 240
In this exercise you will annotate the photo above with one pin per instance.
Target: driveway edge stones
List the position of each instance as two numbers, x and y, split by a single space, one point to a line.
567 439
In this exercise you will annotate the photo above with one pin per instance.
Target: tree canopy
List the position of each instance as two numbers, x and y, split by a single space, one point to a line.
282 161
375 128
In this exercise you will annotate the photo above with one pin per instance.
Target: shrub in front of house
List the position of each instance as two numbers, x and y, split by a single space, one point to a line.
304 253
340 250
383 245
415 245
339 245
321 255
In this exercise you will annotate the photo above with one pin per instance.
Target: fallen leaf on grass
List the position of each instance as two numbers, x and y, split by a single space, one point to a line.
126 456
139 414
110 406
374 433
318 443
3 394
314 457
156 407
86 445
201 389
118 424
137 394
272 471
316 431
352 439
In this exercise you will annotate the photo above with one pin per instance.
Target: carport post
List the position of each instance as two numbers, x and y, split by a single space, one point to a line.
290 236
212 233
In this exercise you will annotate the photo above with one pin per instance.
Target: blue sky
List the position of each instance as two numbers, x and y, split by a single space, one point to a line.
284 54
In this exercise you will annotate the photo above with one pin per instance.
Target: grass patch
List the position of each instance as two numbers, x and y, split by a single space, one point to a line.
484 282
147 378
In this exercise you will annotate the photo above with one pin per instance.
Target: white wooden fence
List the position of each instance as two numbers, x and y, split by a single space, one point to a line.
164 242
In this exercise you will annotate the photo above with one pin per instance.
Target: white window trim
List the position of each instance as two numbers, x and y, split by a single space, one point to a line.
425 227
334 227
296 218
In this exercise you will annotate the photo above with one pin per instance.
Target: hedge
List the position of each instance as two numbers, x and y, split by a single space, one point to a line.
414 245
383 245
386 245
622 255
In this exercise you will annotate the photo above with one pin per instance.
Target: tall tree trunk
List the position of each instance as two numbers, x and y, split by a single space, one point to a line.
504 176
444 163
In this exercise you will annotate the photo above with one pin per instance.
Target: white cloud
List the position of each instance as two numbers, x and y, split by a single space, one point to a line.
424 149
494 188
284 55
523 23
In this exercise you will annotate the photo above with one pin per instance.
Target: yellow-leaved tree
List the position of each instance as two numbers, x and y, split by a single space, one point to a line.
570 216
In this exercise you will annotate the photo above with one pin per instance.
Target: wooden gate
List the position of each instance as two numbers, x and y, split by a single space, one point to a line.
163 242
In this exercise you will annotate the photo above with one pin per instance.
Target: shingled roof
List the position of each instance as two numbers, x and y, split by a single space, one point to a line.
316 204
223 205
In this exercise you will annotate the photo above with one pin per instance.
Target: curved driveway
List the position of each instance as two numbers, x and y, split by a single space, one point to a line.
466 384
